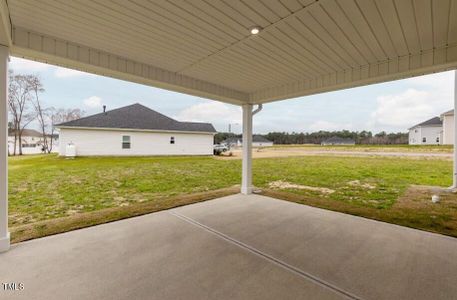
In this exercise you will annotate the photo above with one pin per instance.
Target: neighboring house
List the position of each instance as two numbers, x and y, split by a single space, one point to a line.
257 141
135 130
32 142
448 127
338 141
429 132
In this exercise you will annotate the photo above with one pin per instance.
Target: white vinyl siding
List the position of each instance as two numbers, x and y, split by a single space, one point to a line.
110 142
448 130
425 135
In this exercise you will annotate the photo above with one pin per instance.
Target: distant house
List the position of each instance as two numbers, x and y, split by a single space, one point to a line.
429 132
257 141
135 130
448 127
32 141
338 141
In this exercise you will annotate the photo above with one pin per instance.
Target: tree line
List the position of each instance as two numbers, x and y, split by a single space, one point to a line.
360 137
25 105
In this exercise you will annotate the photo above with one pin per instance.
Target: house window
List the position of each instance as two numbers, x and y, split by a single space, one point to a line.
437 139
125 142
424 140
172 140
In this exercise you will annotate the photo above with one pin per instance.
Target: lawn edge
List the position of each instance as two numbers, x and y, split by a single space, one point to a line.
83 220
363 212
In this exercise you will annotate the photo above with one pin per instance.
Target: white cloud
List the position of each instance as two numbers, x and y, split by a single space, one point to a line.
93 102
404 109
441 82
218 113
410 107
65 73
329 126
25 65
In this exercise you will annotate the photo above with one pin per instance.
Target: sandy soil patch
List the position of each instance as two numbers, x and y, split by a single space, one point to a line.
236 153
357 183
420 197
279 184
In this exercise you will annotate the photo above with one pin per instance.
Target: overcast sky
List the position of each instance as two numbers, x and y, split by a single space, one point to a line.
393 106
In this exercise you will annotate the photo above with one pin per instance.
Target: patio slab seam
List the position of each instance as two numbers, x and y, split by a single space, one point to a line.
269 258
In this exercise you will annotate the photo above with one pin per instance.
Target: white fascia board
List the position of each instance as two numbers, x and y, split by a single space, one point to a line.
39 47
426 62
133 130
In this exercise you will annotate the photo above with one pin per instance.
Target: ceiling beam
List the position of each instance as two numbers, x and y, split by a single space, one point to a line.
39 47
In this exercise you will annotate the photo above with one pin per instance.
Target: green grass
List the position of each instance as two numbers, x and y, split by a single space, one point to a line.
386 177
47 188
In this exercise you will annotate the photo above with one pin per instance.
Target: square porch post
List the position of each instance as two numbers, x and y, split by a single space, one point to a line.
454 177
4 233
246 176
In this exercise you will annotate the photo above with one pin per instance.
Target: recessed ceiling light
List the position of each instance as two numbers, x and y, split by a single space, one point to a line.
255 30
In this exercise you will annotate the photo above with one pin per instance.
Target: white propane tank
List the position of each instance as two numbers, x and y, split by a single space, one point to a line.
70 150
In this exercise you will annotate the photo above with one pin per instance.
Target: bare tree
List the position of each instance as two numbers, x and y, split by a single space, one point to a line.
62 115
19 100
41 113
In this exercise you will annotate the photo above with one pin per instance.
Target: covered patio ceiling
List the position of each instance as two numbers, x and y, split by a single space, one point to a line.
205 48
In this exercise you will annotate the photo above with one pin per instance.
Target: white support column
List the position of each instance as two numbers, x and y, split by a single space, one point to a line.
246 176
454 181
4 233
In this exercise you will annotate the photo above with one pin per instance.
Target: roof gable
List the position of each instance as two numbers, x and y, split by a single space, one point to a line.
448 113
26 132
137 116
435 121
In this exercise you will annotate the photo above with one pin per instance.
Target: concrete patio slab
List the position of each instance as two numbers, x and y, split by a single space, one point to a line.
236 247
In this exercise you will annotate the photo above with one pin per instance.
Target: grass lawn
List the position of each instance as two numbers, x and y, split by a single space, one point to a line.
49 194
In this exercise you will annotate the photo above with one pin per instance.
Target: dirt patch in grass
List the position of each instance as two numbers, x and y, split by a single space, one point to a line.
284 185
365 185
82 220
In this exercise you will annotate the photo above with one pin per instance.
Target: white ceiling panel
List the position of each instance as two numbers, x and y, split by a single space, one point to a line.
205 47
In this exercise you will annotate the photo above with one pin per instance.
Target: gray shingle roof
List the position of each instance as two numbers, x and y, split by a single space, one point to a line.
436 121
137 116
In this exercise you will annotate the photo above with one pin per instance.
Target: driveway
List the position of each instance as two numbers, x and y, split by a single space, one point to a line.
236 247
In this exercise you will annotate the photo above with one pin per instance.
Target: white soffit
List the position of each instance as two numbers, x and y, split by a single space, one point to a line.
205 48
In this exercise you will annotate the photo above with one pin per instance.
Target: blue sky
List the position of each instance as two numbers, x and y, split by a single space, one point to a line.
392 106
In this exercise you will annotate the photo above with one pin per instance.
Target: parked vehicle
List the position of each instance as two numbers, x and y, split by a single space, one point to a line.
218 149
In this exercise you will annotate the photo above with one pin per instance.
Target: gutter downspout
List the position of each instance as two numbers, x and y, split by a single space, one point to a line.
258 109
